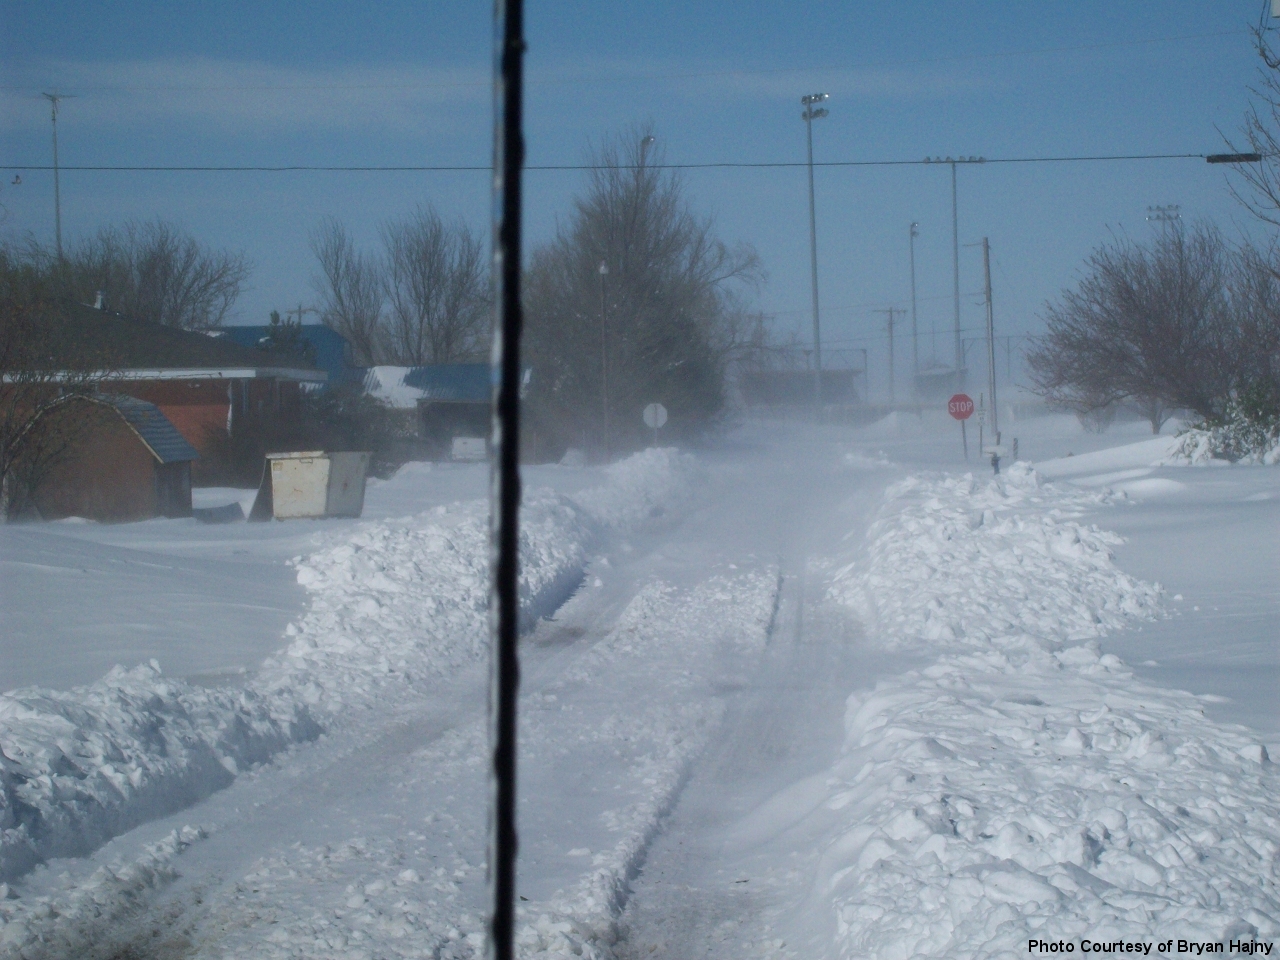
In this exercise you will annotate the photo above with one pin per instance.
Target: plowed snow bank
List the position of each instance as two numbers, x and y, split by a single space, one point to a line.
1026 786
393 601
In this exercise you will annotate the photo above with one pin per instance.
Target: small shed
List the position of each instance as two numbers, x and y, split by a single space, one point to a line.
124 460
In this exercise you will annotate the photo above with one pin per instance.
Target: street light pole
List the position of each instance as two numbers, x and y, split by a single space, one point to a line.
604 362
991 339
915 332
53 99
810 114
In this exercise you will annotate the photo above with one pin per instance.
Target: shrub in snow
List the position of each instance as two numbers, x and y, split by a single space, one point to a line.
1248 432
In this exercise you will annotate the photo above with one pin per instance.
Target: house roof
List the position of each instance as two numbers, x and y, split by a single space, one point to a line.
139 349
332 352
154 429
403 387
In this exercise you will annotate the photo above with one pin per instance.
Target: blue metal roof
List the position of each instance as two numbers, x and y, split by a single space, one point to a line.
155 429
331 350
456 382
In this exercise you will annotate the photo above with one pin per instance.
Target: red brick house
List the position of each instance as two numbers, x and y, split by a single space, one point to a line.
208 387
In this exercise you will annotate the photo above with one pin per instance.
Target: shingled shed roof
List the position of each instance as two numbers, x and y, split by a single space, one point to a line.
154 429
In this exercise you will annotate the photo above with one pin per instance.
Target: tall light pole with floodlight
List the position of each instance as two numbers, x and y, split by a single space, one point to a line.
811 113
54 99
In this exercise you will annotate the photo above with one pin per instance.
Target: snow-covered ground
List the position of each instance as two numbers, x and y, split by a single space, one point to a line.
817 692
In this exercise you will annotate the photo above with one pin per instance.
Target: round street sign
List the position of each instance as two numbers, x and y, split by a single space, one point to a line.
960 406
655 415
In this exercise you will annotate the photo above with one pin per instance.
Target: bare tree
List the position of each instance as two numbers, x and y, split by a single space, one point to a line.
437 287
153 271
1147 325
1257 185
1253 331
659 325
43 365
351 289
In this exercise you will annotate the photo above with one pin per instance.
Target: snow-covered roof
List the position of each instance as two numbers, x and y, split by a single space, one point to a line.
403 387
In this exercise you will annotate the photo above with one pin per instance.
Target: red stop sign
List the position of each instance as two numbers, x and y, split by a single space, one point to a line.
960 406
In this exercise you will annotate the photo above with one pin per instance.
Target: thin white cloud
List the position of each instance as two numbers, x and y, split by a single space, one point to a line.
696 82
227 96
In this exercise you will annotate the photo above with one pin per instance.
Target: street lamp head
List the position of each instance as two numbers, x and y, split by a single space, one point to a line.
604 268
915 229
813 98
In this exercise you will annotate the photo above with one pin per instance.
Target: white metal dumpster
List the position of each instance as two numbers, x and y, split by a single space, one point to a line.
312 483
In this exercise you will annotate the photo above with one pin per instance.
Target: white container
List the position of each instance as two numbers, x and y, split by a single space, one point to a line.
469 448
312 483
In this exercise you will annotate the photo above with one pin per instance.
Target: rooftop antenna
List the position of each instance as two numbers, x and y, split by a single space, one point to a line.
53 99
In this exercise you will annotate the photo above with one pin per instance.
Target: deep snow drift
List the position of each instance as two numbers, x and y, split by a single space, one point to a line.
392 601
1019 781
1026 785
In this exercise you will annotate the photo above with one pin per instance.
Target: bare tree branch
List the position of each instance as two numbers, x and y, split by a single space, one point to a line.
351 290
437 288
152 271
673 317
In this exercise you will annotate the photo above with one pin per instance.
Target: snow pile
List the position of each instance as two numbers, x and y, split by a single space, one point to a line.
644 486
78 925
959 562
1000 797
1026 786
409 598
395 601
79 767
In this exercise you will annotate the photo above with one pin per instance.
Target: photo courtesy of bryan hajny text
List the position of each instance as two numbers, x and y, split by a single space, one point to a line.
1193 948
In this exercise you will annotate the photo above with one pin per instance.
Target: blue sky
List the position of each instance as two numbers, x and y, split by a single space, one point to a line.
333 83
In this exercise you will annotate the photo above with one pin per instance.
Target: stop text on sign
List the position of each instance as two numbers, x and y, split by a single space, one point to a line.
960 406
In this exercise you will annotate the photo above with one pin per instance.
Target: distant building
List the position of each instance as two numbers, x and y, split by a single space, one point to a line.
449 401
124 460
209 387
329 350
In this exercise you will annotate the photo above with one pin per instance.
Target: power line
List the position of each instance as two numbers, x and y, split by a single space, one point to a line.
571 167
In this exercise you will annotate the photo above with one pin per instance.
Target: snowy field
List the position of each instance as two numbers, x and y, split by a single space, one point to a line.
811 692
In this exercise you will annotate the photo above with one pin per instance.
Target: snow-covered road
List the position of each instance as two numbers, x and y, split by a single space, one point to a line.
809 701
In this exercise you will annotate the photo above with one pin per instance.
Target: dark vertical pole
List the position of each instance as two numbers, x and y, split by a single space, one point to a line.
955 276
915 331
813 267
991 341
504 682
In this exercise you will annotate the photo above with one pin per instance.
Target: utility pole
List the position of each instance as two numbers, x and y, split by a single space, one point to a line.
955 254
604 362
890 313
955 274
810 114
915 332
991 340
53 99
